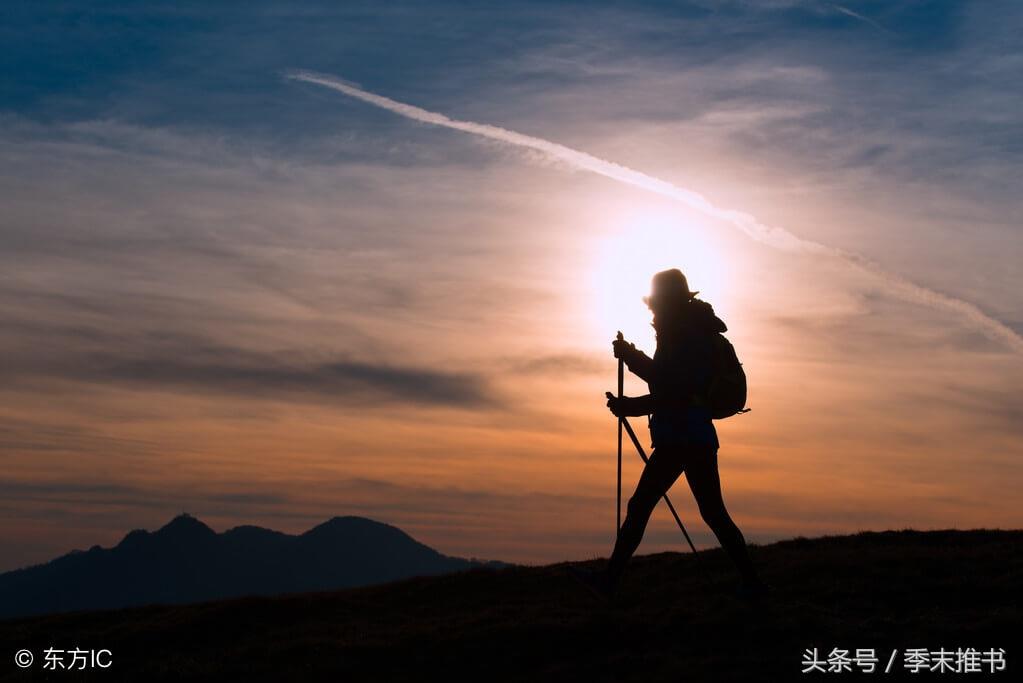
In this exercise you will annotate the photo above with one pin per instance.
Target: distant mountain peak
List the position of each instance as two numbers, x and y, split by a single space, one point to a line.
133 537
185 525
349 520
350 524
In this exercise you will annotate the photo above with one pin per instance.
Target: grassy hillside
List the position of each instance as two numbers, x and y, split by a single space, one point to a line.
942 589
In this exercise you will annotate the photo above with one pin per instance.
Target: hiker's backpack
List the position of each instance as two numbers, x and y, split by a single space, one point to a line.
727 393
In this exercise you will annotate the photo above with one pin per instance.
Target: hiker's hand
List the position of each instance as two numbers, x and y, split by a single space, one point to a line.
619 407
623 349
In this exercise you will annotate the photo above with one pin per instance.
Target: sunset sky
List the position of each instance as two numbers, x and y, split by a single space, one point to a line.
260 300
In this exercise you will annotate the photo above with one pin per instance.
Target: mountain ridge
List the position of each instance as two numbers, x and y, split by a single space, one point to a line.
187 561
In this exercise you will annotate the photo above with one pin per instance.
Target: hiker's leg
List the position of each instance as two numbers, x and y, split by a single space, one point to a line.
702 474
663 468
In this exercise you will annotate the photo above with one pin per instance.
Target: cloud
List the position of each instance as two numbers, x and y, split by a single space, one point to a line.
778 238
559 365
859 17
196 365
44 438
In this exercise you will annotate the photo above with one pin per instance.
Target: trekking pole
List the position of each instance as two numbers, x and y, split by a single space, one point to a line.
678 520
621 421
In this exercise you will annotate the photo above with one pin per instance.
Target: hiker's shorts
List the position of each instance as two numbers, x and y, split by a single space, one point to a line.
686 426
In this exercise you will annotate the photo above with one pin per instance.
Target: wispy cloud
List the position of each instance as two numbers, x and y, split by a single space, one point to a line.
859 17
242 373
778 238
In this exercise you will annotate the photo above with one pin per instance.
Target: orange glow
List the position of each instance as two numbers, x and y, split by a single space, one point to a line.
648 240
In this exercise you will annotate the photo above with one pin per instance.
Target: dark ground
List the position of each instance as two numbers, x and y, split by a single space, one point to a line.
940 589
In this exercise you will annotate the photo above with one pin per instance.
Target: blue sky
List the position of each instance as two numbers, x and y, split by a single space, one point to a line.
261 301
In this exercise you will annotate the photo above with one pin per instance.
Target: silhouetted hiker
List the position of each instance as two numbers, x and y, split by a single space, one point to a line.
683 436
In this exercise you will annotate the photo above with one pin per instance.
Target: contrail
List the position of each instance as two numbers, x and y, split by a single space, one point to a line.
778 238
856 15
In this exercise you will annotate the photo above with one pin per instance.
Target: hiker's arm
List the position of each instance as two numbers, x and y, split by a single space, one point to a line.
641 365
628 406
638 362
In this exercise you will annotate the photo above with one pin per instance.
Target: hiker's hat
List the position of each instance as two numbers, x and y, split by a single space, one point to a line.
669 286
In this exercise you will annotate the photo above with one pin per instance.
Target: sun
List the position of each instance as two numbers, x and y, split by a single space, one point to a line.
644 242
